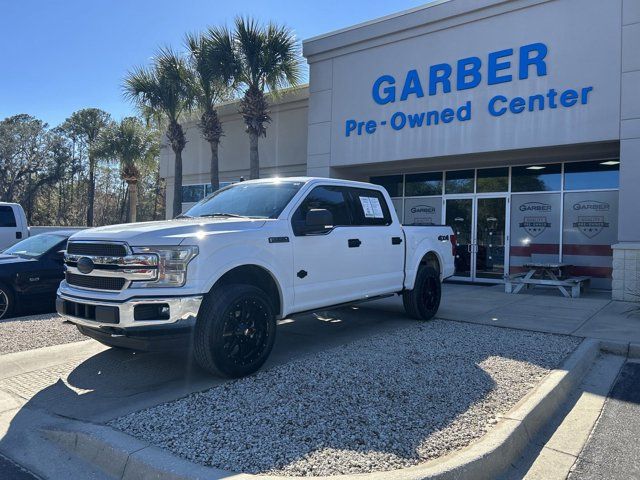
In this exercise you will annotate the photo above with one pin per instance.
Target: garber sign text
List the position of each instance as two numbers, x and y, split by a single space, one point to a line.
498 67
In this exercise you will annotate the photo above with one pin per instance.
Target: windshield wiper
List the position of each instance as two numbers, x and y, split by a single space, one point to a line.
231 215
184 215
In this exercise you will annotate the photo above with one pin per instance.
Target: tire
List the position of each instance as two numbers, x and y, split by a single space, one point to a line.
225 344
7 303
423 301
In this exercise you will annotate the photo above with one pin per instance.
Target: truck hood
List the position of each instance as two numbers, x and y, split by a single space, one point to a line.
168 232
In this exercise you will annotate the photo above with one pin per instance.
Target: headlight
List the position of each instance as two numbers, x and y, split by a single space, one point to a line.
172 265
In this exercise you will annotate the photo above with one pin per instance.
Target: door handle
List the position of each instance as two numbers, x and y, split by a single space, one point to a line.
354 242
396 241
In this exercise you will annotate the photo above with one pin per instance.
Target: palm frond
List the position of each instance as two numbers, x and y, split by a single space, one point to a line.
164 88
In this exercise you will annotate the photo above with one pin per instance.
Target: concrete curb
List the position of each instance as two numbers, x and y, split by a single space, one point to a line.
625 349
127 458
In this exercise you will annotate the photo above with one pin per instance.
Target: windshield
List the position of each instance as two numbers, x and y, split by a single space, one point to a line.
35 246
254 200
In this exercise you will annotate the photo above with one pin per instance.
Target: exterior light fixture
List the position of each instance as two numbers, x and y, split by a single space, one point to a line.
610 163
536 167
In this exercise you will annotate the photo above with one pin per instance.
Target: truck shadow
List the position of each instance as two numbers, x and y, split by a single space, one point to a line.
115 382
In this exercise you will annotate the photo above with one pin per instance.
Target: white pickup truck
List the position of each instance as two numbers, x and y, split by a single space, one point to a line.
220 275
13 224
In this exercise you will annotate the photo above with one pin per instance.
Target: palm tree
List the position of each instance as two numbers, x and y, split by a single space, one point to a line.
134 146
213 67
164 91
86 126
268 58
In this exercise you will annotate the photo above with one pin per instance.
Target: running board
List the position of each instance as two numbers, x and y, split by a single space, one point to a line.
342 305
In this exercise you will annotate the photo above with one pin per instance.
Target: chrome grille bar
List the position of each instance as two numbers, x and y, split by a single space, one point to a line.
131 261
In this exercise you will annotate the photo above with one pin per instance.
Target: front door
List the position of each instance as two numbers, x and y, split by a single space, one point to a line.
355 259
480 225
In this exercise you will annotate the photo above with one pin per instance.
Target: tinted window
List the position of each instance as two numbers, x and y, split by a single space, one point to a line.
424 184
536 178
37 245
460 181
493 180
7 218
369 207
248 199
334 199
392 183
591 175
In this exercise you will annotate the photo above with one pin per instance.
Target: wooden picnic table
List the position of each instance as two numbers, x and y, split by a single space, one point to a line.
551 274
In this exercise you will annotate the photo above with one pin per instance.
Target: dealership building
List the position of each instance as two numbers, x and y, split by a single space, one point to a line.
515 122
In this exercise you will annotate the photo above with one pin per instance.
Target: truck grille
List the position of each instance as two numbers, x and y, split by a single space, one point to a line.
97 283
96 249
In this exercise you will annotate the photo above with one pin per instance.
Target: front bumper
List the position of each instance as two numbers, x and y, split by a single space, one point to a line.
121 316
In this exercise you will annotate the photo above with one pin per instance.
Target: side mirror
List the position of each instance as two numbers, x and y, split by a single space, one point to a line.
318 220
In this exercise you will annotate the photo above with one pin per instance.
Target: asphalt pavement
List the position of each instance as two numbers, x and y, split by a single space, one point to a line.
10 470
613 451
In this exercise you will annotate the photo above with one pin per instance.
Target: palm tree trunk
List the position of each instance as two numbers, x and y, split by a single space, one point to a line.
91 192
177 185
215 170
254 159
133 201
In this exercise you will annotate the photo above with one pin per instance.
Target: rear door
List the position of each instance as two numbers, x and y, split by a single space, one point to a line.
8 227
380 256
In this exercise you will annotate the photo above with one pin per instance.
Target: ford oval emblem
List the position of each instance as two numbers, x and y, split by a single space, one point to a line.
85 265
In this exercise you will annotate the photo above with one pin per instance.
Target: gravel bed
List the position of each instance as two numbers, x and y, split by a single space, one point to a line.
36 331
381 403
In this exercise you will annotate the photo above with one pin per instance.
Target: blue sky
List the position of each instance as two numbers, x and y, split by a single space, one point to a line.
57 56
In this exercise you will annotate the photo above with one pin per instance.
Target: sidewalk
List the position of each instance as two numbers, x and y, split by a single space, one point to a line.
594 315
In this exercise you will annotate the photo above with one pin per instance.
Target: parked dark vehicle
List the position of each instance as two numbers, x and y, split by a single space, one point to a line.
30 272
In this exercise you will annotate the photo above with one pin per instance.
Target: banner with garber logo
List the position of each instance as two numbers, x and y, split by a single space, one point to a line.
423 211
535 229
590 228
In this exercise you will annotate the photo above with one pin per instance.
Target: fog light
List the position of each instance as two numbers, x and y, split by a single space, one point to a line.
151 311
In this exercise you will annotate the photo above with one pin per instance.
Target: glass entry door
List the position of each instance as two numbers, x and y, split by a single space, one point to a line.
480 225
459 216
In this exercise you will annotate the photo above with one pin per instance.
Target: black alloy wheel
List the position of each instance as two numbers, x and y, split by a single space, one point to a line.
423 301
235 330
6 302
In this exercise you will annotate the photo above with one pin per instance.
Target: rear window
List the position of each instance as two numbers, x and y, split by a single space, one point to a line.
7 218
369 207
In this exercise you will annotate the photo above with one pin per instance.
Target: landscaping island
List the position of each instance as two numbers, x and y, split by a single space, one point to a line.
381 403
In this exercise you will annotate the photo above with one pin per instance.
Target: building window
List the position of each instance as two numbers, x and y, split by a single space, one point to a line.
493 180
209 189
423 211
459 181
536 178
392 183
535 229
591 175
423 184
192 193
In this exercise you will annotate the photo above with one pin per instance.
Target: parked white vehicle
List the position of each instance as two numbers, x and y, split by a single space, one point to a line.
13 224
221 274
